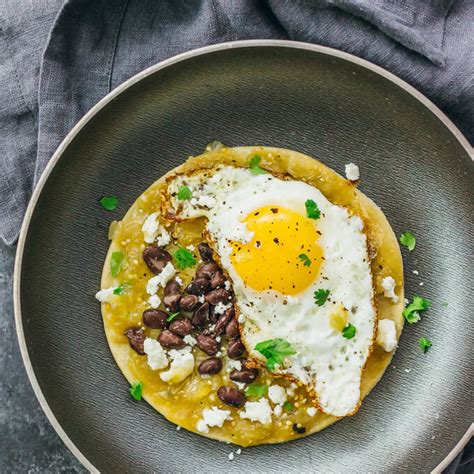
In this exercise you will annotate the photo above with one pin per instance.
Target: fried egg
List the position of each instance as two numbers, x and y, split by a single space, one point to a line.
300 271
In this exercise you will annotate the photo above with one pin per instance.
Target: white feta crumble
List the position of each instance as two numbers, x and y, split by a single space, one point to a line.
258 411
240 385
388 285
221 308
178 280
182 365
231 456
277 394
201 298
311 411
387 335
160 280
291 389
277 410
241 319
227 285
164 238
239 451
421 283
150 228
190 340
154 301
416 272
105 294
155 354
234 364
178 428
352 172
212 417
218 338
190 247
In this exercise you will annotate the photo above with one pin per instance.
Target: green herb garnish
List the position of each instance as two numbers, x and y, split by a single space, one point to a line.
184 258
254 165
424 344
408 240
136 390
119 290
172 316
109 202
312 209
349 331
288 406
116 263
305 259
321 296
257 391
275 351
412 312
184 193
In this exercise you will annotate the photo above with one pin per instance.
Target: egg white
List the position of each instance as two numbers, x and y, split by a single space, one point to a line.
326 362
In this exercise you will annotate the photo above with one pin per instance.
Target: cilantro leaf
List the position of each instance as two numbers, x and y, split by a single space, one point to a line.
408 240
412 312
275 351
349 331
116 263
312 209
321 296
109 202
119 290
288 406
136 390
184 258
184 193
257 391
172 316
254 165
305 259
424 344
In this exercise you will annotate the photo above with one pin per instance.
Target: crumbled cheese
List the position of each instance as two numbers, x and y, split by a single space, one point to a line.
218 339
164 238
178 428
182 365
221 308
234 364
150 228
227 285
156 355
291 389
160 280
238 451
154 301
352 172
387 335
189 340
421 283
407 371
388 285
201 298
241 319
311 411
190 247
105 294
240 385
277 410
258 411
231 456
416 272
178 280
277 394
212 417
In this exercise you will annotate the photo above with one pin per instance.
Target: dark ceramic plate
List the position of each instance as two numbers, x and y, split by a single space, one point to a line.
414 164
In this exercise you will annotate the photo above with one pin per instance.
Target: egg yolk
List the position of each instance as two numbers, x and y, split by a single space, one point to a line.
283 254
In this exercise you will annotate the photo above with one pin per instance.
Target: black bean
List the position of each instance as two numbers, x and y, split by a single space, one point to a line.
235 349
206 252
172 288
219 295
136 338
198 286
188 302
171 302
244 375
155 318
207 344
207 270
223 320
182 326
232 329
170 340
297 428
231 396
156 258
212 365
217 280
201 315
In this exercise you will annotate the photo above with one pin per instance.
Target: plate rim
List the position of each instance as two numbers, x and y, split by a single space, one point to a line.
115 93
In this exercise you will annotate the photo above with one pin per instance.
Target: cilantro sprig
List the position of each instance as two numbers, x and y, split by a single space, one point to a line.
412 312
312 209
184 258
424 344
349 331
109 202
184 193
321 296
275 351
254 165
116 262
288 406
305 259
120 289
136 389
408 240
257 391
172 316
